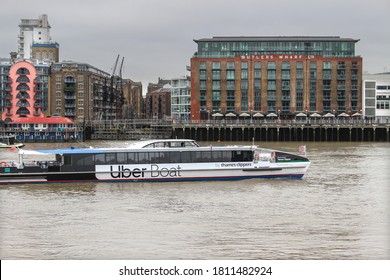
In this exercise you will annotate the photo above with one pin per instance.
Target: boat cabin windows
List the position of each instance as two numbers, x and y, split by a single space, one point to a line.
169 156
172 144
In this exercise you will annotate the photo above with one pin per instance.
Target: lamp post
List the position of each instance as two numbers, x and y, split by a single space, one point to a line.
251 116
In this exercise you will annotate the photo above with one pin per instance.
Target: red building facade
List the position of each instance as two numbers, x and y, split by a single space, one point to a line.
23 92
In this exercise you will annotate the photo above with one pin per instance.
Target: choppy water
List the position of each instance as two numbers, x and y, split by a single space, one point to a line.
339 210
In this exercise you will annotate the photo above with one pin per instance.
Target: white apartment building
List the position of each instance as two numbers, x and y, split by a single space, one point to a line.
181 99
376 96
32 31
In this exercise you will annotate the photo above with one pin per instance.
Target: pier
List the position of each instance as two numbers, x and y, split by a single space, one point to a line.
307 130
285 130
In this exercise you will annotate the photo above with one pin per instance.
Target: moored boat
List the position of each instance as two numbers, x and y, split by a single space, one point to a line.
9 141
153 160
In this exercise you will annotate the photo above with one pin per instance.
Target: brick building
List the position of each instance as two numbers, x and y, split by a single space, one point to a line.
134 102
80 91
158 101
284 75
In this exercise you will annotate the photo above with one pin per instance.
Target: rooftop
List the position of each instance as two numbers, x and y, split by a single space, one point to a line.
276 39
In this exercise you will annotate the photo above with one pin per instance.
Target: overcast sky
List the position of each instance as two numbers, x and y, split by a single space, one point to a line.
156 36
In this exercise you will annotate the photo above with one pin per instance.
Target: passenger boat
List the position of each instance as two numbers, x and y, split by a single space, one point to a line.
153 160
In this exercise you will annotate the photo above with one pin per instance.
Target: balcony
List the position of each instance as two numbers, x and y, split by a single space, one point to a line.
271 98
37 88
70 96
70 105
8 96
8 104
38 96
340 98
8 88
69 113
38 80
69 88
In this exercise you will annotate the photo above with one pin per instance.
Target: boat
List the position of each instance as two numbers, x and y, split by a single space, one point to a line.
152 161
9 142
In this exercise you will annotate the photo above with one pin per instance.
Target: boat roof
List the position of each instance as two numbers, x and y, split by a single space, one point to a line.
138 146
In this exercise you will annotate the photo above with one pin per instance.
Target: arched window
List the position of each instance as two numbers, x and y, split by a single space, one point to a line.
23 95
23 103
23 71
22 79
22 111
22 87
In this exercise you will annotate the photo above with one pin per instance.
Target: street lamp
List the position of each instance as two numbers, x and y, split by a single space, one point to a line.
251 116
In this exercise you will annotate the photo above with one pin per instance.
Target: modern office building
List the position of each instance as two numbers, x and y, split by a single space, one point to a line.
376 94
80 92
24 89
34 41
181 98
283 75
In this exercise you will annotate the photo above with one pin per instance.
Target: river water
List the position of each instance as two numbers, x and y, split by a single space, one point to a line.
339 210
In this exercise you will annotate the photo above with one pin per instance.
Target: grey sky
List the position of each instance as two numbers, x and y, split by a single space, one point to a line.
156 36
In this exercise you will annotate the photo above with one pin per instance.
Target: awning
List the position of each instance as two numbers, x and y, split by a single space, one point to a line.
230 115
244 115
315 115
345 115
258 115
301 115
217 115
272 115
328 115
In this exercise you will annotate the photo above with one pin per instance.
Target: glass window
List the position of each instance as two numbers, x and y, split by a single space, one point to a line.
121 157
230 65
143 157
271 65
216 65
186 156
111 158
244 74
244 65
285 65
